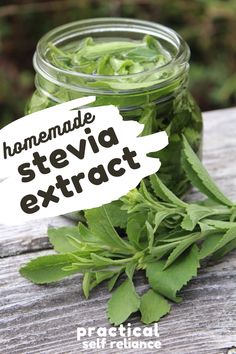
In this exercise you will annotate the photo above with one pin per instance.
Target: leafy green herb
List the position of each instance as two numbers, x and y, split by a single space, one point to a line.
200 177
151 231
106 57
153 306
48 269
60 242
123 302
168 281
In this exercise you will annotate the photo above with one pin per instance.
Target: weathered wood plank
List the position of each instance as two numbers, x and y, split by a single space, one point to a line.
43 319
219 148
219 154
28 237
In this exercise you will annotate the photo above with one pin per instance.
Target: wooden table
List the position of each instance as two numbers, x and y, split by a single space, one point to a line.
43 319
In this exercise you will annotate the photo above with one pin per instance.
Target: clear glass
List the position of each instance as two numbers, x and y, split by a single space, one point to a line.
161 104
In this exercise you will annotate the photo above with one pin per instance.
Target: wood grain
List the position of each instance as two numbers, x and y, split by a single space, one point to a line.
43 319
31 236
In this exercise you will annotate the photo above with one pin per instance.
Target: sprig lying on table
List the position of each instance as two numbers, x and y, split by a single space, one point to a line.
155 232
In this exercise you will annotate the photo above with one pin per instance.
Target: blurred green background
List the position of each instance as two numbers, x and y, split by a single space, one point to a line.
209 27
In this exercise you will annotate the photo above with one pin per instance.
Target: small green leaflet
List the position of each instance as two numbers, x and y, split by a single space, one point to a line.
168 281
113 280
47 269
215 242
225 249
164 193
99 277
150 234
160 216
159 251
86 234
117 216
130 269
123 303
199 176
147 119
209 245
195 213
153 306
87 283
223 225
136 228
100 224
58 238
192 238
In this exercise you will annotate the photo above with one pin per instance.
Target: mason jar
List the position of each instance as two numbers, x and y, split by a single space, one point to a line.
157 97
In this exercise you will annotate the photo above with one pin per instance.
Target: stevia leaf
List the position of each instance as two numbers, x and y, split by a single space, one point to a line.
208 203
117 216
181 248
104 66
58 238
101 261
153 306
164 193
229 236
142 54
160 251
100 225
194 213
153 44
113 280
209 245
168 281
130 269
123 303
108 48
159 217
104 261
225 249
143 190
47 269
204 227
174 235
86 283
150 235
233 214
199 176
215 242
147 119
218 224
99 277
136 228
86 234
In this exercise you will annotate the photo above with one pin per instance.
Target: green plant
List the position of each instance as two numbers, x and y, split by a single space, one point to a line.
156 232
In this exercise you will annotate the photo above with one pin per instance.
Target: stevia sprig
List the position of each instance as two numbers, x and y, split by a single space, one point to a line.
154 231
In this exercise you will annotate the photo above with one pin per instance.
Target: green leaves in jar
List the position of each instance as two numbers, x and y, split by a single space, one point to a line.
110 56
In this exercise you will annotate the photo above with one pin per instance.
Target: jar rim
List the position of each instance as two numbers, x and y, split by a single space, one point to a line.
70 30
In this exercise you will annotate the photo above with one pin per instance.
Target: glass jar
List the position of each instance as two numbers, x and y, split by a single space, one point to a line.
157 97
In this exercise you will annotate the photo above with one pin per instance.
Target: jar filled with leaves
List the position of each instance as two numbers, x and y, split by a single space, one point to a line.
139 66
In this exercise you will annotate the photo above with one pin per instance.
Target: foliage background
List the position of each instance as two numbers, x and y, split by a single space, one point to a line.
209 26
